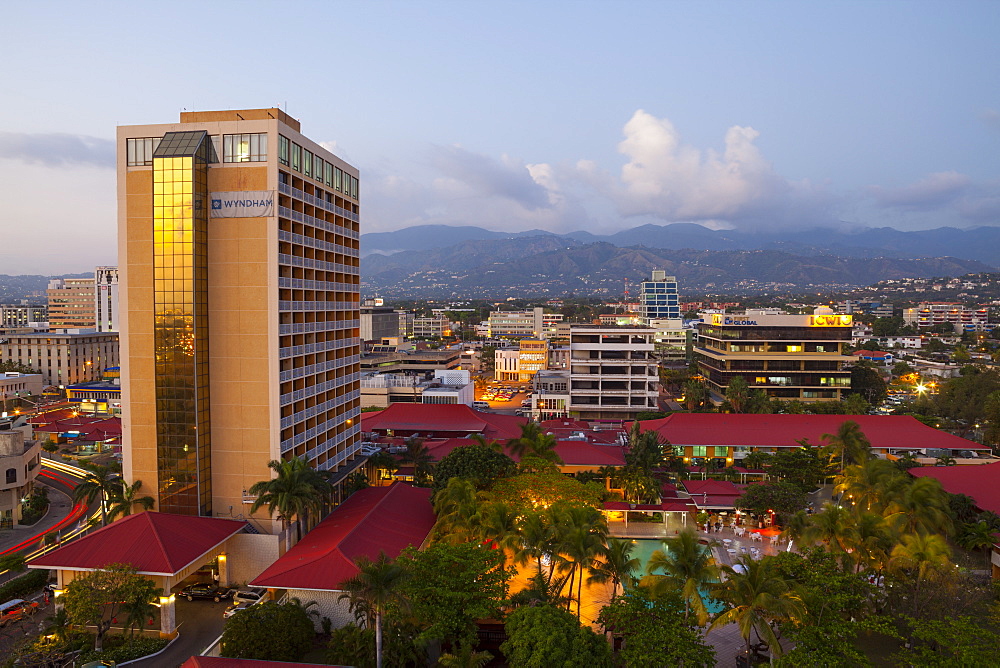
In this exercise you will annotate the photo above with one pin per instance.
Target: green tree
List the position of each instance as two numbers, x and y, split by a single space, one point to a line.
268 632
920 506
499 524
919 559
530 491
755 596
451 586
534 442
97 598
546 637
695 396
457 510
464 655
296 490
377 588
870 484
954 641
638 485
126 498
782 498
100 483
419 456
978 536
479 464
867 381
834 527
738 394
655 633
582 532
615 565
804 467
685 563
849 444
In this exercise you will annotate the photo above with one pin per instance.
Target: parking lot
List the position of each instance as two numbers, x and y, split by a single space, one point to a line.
505 397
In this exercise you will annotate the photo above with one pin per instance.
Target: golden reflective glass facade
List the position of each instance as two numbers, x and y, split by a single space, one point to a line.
180 327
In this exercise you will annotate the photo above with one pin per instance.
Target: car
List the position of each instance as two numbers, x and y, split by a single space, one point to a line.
249 595
206 590
16 610
233 609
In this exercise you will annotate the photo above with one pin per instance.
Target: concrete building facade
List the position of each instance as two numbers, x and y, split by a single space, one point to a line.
62 358
238 247
23 315
613 372
71 303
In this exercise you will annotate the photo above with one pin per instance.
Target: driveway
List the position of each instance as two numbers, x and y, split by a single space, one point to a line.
200 623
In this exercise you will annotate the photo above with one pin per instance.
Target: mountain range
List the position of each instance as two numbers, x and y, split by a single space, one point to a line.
981 244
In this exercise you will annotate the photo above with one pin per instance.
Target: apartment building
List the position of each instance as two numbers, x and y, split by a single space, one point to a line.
62 358
788 356
529 324
71 303
613 372
426 328
239 280
962 318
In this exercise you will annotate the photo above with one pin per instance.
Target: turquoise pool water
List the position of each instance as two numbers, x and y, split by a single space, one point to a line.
644 549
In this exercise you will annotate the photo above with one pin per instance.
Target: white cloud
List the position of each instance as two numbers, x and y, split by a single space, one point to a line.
57 149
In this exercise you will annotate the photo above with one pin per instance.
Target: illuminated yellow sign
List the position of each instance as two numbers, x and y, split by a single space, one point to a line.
830 320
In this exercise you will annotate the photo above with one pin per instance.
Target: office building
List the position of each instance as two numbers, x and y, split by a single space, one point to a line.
529 324
106 299
62 358
435 326
71 303
613 372
788 356
659 299
18 316
238 247
378 321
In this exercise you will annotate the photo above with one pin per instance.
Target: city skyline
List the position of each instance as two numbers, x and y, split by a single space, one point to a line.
558 116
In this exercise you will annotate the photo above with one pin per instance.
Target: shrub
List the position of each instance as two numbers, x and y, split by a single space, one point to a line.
21 586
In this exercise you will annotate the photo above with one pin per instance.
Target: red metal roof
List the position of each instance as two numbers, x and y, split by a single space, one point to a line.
153 543
979 481
901 432
670 506
442 420
373 520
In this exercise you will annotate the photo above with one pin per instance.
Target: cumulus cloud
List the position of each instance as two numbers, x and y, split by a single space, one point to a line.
57 149
672 181
931 192
485 176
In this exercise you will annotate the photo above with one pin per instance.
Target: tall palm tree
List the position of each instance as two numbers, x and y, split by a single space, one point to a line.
479 439
849 443
616 565
921 506
457 507
538 537
920 557
756 596
295 491
869 484
533 442
872 539
690 564
100 483
498 522
125 498
833 526
582 535
638 485
420 457
375 590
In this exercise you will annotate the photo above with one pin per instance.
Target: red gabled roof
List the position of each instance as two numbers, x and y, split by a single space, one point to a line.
884 431
153 543
713 487
373 520
979 481
442 420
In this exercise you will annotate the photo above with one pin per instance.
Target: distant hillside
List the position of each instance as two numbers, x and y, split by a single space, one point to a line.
981 244
28 286
547 265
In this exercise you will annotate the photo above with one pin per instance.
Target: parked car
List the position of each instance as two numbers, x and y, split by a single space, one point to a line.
233 609
249 595
15 610
206 590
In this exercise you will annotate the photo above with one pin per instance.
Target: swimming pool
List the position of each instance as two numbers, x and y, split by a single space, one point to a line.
644 548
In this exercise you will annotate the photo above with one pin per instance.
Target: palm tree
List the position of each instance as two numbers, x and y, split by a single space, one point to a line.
978 536
457 508
869 484
464 655
420 457
498 522
871 541
125 498
582 535
616 565
295 490
850 443
533 442
493 445
638 486
920 557
100 483
538 536
375 589
687 562
796 526
756 596
834 527
921 506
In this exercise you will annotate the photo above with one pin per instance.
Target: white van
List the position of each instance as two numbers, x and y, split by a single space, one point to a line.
480 405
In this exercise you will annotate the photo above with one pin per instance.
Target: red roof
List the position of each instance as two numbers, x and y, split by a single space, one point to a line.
901 432
672 505
223 662
713 493
442 420
153 543
979 481
373 520
564 423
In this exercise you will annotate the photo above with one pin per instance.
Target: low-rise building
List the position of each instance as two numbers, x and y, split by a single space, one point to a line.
16 387
62 358
23 315
20 459
961 317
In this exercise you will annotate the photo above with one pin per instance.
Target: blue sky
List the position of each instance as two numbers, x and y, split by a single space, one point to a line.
522 115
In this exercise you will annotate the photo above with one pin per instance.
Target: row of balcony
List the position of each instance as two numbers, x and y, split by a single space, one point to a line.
312 242
318 409
319 388
286 189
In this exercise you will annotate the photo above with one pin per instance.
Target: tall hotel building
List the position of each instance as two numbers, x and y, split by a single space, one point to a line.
238 247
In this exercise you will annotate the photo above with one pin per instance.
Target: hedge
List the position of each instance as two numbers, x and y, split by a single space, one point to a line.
23 585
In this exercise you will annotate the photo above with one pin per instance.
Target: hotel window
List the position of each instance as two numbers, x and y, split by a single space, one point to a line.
244 148
328 173
296 157
140 151
699 450
338 180
721 450
307 162
283 149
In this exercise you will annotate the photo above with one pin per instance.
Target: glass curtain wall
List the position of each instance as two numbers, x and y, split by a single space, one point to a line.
180 331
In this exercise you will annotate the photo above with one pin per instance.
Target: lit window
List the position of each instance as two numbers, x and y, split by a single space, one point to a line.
296 157
244 148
